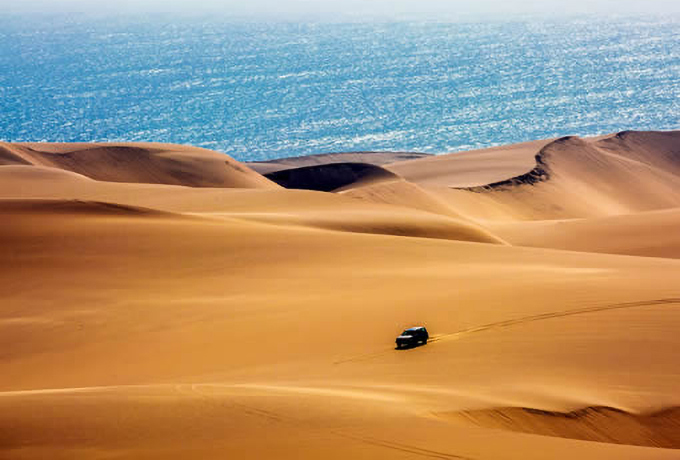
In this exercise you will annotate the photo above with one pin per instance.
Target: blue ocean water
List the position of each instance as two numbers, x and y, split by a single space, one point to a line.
264 90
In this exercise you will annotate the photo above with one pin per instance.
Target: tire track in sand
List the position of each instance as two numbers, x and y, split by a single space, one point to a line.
402 447
524 320
194 390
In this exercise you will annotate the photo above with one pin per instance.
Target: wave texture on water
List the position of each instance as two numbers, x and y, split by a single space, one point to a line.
260 91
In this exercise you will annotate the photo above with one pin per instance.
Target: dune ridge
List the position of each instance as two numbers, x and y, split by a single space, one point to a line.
330 177
373 158
594 423
469 169
540 172
573 178
44 207
139 163
299 208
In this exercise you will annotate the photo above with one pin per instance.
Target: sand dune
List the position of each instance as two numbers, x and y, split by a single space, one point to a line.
13 209
330 177
177 296
164 315
659 149
373 158
601 424
296 208
215 421
401 193
384 222
141 163
571 178
469 169
652 234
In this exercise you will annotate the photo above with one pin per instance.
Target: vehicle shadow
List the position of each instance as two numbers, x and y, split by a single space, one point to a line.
410 346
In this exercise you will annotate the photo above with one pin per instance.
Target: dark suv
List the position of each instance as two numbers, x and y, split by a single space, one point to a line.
412 337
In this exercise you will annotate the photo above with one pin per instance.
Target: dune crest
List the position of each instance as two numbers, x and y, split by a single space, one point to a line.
45 207
330 177
473 168
30 185
374 158
575 178
601 424
139 163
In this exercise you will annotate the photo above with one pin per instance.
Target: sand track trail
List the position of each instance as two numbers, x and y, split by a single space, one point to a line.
306 391
556 315
442 337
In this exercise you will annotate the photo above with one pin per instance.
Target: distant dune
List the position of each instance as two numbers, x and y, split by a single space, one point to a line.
373 158
469 169
141 163
330 177
167 302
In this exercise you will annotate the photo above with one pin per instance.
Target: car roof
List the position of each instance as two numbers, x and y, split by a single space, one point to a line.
417 328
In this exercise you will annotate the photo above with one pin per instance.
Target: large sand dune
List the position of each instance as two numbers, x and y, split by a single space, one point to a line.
330 177
568 178
142 163
373 158
652 234
470 169
168 319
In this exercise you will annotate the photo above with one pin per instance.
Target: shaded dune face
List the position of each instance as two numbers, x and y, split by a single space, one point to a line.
330 177
8 156
615 182
167 302
659 149
470 169
574 178
374 158
600 424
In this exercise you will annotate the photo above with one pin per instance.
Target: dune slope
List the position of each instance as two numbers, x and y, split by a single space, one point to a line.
651 234
330 177
601 424
299 208
469 169
203 306
141 163
567 178
373 158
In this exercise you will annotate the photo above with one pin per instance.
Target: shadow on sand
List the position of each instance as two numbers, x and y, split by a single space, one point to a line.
410 346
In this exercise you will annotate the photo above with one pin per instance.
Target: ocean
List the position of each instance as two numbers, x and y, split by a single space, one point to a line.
258 91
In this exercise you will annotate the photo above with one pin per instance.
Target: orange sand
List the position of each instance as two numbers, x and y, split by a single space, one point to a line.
162 302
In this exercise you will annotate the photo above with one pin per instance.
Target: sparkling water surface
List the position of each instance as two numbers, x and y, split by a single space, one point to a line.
264 90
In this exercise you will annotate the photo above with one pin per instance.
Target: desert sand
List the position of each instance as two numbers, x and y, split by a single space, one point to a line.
167 302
